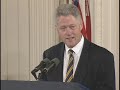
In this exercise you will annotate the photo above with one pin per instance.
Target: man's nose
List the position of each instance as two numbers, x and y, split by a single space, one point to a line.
68 30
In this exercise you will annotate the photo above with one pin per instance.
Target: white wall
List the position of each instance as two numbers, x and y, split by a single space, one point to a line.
27 29
14 39
42 30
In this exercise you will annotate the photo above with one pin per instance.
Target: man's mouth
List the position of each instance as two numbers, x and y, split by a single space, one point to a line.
70 38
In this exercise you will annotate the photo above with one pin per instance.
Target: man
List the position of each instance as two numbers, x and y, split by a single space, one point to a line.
93 66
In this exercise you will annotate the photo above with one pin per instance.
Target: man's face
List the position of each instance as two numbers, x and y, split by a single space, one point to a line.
69 30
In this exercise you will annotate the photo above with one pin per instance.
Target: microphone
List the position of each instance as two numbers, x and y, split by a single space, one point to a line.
42 65
53 63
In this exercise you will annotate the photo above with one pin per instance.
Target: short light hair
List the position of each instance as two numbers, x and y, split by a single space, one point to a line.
68 9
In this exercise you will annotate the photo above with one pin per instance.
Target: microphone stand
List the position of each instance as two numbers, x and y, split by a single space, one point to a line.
42 76
34 74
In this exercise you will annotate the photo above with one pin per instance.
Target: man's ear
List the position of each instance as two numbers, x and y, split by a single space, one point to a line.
81 26
56 28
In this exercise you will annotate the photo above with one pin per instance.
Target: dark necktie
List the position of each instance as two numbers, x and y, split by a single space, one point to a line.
69 74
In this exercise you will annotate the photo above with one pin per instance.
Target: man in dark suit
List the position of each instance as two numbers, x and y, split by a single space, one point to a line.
93 65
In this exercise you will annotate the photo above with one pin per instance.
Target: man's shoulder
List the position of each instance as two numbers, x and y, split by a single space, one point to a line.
54 51
100 54
93 48
99 50
55 47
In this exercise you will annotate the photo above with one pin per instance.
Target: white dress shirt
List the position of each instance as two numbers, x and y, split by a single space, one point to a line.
77 52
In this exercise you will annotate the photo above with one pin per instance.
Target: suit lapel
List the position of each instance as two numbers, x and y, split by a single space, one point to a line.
57 74
60 55
82 68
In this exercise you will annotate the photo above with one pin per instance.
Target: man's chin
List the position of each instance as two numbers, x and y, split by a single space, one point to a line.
70 45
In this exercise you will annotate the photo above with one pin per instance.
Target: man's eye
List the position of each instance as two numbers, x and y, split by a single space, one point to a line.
62 28
72 27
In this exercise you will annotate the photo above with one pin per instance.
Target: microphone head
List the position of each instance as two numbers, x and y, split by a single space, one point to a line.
45 60
42 64
56 61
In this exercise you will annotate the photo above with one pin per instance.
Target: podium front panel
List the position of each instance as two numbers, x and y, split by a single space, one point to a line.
39 85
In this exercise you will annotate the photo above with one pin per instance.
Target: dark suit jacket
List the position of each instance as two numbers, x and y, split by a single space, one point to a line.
95 69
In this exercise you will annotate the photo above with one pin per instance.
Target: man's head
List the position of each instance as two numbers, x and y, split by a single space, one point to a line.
69 24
